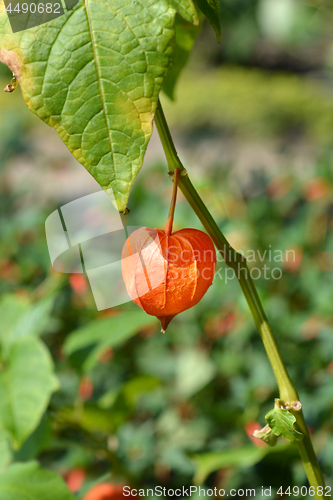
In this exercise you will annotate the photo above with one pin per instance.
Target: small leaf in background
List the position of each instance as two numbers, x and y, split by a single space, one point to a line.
211 9
180 432
29 481
206 463
38 441
19 317
92 419
107 332
186 34
282 424
194 371
186 9
36 318
134 389
26 384
12 310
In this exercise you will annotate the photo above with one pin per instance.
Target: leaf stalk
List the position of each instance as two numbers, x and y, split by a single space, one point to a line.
169 222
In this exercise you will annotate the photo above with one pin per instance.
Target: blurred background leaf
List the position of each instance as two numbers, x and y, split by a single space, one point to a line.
30 481
26 384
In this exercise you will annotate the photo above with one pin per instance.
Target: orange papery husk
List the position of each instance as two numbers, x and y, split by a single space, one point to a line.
165 275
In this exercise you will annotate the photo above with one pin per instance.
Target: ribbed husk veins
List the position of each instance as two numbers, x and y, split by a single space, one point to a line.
166 275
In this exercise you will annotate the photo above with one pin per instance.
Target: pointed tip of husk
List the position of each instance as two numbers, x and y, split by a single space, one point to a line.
165 320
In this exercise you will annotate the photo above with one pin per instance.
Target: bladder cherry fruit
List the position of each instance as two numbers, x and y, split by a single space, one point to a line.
166 273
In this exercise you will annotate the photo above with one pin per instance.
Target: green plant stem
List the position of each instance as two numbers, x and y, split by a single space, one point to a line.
237 262
169 223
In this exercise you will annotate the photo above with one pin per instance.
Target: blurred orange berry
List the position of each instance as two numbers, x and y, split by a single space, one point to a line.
312 326
106 491
75 478
60 353
292 258
86 388
317 188
221 324
78 283
10 271
279 187
249 428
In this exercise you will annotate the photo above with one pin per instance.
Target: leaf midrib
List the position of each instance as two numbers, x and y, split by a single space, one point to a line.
101 92
8 384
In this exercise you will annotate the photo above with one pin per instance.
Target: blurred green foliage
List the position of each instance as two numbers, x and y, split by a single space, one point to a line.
140 407
254 103
145 409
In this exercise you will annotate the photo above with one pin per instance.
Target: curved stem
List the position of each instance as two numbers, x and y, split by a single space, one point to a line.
238 263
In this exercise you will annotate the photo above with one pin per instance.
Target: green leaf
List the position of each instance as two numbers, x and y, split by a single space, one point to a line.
108 332
282 424
30 482
206 463
134 389
211 9
5 451
36 318
26 384
92 419
38 441
186 35
94 74
266 435
12 310
186 10
20 318
194 370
